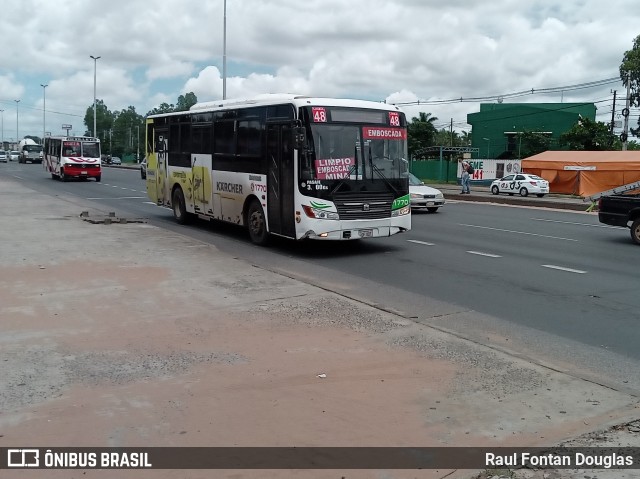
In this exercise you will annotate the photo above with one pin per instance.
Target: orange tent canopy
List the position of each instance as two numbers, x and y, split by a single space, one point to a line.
584 173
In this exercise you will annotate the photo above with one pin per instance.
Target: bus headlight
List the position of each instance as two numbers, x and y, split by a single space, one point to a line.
405 210
320 214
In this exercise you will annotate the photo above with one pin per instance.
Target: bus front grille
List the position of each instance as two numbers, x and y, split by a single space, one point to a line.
360 207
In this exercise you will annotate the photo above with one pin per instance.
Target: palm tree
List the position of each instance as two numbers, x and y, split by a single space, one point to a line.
421 132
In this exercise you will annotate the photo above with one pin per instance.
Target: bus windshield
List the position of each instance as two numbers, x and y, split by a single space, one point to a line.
354 152
91 149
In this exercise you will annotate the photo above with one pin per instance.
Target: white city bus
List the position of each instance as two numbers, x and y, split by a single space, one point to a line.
68 157
284 165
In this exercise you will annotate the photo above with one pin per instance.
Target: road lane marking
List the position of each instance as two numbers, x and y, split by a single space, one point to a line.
421 242
518 232
578 224
479 253
119 198
562 268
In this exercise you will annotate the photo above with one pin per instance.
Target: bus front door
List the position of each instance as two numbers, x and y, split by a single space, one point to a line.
280 180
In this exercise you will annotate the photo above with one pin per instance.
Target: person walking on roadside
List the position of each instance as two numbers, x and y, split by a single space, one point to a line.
465 179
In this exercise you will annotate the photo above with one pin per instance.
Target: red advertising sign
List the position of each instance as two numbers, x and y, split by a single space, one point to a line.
319 114
333 168
384 133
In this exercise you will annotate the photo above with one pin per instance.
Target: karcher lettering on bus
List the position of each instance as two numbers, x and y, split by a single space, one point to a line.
229 187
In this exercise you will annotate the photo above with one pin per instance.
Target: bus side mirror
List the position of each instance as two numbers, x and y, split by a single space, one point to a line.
299 137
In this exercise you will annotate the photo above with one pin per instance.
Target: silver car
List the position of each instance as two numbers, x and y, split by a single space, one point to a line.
423 196
3 156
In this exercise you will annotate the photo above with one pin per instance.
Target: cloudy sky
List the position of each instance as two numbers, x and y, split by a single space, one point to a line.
399 51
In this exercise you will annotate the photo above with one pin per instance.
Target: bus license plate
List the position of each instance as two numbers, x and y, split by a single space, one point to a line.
83 172
365 233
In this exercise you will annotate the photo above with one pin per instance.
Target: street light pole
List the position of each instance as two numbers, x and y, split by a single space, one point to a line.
488 146
44 109
2 113
95 66
224 53
17 129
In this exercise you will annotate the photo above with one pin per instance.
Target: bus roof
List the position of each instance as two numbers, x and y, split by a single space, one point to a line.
280 98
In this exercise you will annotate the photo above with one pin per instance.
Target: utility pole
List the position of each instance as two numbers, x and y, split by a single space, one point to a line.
224 52
613 112
95 67
451 131
625 114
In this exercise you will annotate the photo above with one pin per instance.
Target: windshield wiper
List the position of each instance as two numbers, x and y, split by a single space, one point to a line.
375 168
351 169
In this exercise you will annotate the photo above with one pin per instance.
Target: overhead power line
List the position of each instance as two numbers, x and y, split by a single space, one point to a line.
532 91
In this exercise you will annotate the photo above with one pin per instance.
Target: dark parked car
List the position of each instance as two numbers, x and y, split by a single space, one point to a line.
621 210
143 169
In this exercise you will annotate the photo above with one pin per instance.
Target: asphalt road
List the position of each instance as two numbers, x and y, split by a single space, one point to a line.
552 286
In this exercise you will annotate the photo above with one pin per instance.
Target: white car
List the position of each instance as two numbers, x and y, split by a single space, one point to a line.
13 155
116 161
3 156
423 196
521 183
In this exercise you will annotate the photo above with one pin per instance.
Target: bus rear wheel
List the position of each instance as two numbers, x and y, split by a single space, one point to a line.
257 224
179 208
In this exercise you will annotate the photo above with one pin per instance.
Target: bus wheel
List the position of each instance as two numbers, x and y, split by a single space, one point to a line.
98 178
63 177
257 224
179 208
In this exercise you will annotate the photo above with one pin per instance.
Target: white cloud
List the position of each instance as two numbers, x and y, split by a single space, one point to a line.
393 50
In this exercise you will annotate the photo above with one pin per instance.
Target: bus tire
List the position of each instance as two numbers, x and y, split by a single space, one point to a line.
98 178
179 207
63 177
257 224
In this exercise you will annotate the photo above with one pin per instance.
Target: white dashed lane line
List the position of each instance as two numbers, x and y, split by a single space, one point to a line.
562 268
489 255
518 232
421 242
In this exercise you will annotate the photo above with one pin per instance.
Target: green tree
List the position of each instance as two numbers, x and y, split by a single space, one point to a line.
630 75
445 137
588 135
532 142
127 131
186 101
163 108
104 122
421 133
